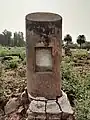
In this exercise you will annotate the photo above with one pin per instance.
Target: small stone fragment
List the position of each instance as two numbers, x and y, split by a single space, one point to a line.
11 105
1 114
20 109
14 116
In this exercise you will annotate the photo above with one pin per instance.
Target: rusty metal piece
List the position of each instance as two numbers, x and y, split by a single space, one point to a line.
43 46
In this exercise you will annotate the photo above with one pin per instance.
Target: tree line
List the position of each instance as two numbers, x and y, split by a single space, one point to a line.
81 41
6 39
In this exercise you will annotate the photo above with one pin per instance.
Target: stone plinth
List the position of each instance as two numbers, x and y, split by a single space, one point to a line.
44 109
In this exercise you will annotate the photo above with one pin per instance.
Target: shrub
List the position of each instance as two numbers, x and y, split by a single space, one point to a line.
24 62
77 87
80 53
13 64
4 51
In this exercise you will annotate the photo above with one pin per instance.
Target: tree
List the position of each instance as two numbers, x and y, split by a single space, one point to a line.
86 45
7 35
2 40
21 39
15 39
18 39
81 39
68 39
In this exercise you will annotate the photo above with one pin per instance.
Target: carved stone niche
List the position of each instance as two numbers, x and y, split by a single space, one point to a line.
43 59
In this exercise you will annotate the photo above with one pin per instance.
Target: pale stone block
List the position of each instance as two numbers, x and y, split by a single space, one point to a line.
37 106
65 104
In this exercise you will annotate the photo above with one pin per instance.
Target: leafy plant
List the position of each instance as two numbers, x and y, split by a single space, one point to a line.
13 64
68 39
81 39
77 87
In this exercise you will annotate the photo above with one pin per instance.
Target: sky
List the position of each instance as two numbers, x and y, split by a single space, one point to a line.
75 14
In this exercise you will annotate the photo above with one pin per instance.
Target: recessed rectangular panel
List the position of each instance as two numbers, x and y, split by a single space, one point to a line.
43 59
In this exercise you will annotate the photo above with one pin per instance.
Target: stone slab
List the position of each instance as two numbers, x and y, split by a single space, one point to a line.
37 106
35 116
53 116
59 109
52 107
11 105
65 104
41 117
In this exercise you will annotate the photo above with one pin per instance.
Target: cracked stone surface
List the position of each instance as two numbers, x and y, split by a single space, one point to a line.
65 104
52 107
53 117
36 116
37 106
51 110
37 98
40 117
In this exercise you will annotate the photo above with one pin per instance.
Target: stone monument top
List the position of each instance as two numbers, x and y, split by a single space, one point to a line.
43 17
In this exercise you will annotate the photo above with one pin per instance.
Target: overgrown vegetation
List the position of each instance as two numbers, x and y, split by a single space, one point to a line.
12 73
75 77
76 83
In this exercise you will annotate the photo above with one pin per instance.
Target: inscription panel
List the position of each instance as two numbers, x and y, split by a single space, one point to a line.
43 60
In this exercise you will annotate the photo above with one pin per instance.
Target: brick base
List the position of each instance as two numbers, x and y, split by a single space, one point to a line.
43 109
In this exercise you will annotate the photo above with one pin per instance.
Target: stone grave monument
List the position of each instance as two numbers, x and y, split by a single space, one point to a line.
44 54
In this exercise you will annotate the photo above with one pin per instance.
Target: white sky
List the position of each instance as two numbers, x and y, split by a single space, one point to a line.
75 13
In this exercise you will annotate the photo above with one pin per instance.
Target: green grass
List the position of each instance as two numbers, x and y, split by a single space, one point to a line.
4 51
77 86
79 53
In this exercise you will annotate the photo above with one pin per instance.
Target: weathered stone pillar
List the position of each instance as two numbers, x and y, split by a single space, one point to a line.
43 45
